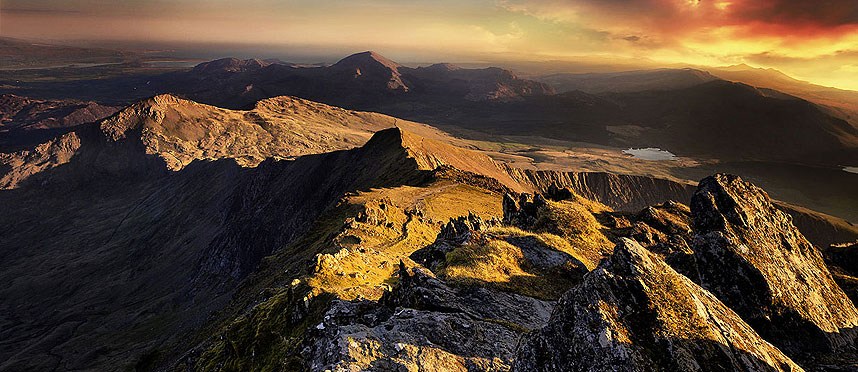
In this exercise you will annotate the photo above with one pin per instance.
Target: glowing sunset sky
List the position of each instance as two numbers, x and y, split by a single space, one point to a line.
811 40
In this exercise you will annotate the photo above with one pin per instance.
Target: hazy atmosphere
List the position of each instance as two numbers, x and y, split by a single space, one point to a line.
814 41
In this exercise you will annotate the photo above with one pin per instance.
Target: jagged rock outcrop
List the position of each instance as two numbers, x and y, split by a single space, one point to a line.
663 229
751 256
424 324
455 233
524 212
635 313
23 164
631 193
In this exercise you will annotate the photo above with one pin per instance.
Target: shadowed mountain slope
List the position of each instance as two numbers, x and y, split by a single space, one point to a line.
158 250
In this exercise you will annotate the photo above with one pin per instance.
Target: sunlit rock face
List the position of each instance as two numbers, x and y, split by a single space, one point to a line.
635 313
751 256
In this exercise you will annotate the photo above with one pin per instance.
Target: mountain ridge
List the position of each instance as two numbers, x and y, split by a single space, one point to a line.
247 251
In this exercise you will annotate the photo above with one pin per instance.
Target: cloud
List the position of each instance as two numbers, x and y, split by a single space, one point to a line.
802 13
678 18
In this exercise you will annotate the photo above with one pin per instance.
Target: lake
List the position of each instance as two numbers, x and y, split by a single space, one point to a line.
650 153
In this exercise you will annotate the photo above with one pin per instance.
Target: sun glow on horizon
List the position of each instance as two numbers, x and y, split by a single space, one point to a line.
814 42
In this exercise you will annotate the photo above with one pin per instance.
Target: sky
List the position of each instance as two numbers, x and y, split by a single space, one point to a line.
811 40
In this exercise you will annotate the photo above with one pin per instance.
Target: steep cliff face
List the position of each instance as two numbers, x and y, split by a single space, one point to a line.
777 280
635 313
620 192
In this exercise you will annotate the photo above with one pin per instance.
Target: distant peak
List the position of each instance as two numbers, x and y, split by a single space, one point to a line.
365 59
231 65
442 67
164 99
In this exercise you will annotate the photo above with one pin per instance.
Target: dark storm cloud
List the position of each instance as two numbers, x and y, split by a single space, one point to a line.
824 13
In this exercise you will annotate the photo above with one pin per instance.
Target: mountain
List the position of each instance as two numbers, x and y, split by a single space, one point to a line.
180 131
229 65
753 119
718 120
372 68
842 103
26 121
359 81
154 251
690 114
297 235
628 81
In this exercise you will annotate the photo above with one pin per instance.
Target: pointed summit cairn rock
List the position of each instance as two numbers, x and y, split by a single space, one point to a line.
753 258
635 313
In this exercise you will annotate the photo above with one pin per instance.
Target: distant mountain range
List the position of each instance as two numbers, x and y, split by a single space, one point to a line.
689 112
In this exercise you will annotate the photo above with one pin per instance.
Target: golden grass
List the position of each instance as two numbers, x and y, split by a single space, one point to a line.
503 265
575 222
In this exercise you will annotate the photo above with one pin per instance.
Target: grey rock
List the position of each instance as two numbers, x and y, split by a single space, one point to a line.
751 256
423 324
635 313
